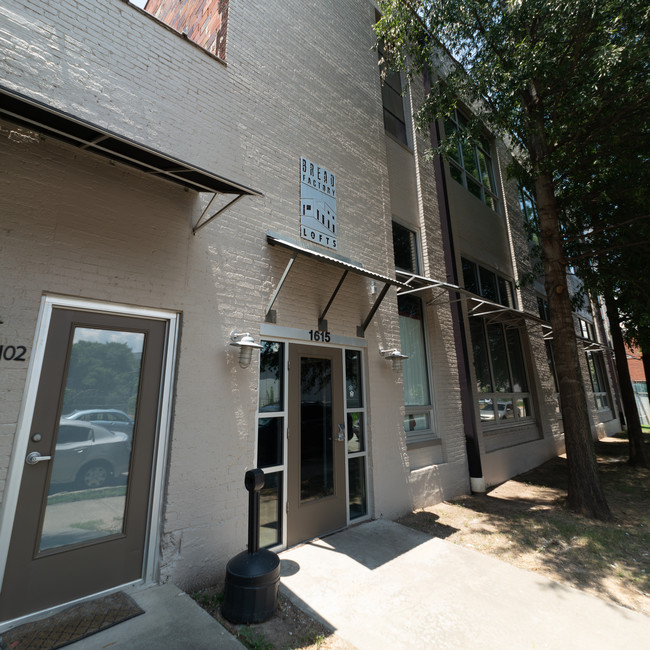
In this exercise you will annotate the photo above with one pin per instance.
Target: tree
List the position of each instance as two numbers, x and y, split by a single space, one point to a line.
612 260
550 77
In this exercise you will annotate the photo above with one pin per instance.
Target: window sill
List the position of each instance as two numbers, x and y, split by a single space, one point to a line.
434 440
398 141
489 429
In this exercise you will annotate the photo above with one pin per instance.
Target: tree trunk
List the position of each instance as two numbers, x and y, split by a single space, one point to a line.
585 493
638 456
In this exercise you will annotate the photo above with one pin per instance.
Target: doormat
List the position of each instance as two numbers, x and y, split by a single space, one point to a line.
72 624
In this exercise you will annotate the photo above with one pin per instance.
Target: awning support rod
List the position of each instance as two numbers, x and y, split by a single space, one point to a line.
361 331
321 318
268 318
198 225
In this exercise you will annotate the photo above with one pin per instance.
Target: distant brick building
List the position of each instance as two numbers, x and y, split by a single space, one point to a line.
635 364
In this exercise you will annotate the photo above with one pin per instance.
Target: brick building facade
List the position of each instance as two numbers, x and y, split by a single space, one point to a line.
155 216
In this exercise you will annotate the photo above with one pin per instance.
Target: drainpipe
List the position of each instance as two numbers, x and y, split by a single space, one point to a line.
477 482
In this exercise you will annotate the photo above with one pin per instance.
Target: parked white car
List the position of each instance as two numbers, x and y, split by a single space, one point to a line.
89 455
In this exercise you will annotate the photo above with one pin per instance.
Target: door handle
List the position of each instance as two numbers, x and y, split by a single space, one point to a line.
341 434
34 458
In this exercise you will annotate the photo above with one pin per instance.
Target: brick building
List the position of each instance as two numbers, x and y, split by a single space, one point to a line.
220 240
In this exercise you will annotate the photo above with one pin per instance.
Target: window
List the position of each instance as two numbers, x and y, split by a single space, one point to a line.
391 95
418 418
204 22
529 212
417 395
550 358
599 382
501 378
471 164
270 441
585 329
488 284
542 308
355 414
405 249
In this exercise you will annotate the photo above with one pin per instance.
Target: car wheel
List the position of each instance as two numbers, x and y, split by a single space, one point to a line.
94 475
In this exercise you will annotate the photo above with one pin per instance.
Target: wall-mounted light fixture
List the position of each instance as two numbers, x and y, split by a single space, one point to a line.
394 356
246 344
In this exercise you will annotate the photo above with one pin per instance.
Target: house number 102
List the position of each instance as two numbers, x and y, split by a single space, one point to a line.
13 352
320 335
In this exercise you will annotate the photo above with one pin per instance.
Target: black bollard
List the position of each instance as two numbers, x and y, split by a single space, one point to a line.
253 576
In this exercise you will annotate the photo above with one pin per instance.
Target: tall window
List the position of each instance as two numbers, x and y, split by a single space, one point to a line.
529 212
391 95
405 249
487 284
501 378
543 309
270 441
355 414
471 164
599 382
418 419
585 328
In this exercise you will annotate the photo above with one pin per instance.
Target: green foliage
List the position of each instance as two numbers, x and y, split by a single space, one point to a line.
101 375
565 84
254 640
570 66
208 600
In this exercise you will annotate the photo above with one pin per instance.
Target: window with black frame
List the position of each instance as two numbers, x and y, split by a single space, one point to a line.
488 284
501 379
357 450
392 100
270 441
599 382
470 163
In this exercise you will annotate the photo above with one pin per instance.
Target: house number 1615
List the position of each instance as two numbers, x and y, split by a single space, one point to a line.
320 335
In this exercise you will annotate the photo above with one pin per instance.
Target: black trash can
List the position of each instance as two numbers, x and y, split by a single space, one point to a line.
252 582
253 576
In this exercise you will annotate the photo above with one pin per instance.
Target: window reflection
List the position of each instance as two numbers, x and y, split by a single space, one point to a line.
87 491
271 363
316 440
271 510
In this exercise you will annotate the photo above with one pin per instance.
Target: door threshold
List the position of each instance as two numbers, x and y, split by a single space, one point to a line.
50 611
313 539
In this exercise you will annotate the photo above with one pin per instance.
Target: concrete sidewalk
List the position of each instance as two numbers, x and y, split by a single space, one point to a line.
382 585
172 620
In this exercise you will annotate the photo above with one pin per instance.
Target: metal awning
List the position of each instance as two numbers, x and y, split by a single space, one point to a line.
347 266
476 305
50 121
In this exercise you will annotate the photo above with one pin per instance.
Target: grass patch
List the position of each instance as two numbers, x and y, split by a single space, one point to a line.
254 639
86 495
209 601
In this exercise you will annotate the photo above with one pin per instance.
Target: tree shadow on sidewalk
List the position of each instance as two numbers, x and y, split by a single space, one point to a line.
524 522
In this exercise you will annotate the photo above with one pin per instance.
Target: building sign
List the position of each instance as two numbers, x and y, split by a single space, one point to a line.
318 204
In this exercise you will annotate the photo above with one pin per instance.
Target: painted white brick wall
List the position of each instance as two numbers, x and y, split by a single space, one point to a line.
300 80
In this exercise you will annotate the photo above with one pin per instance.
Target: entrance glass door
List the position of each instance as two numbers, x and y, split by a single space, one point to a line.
317 439
81 520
